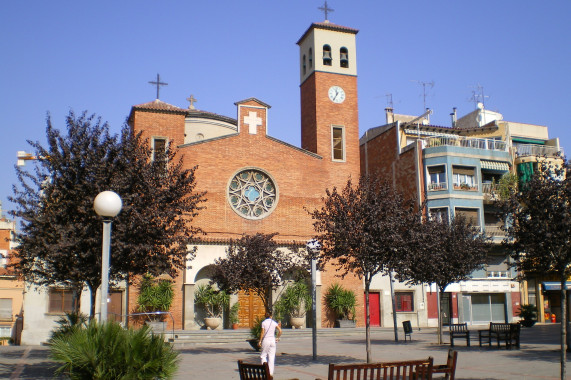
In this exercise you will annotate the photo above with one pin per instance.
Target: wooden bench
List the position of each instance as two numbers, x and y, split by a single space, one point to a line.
403 370
448 369
459 330
501 332
250 371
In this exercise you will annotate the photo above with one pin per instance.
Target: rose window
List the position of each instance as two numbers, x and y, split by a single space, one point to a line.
252 194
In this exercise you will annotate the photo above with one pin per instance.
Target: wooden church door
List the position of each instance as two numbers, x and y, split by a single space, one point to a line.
251 306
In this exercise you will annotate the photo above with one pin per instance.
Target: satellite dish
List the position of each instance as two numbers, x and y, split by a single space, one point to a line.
480 105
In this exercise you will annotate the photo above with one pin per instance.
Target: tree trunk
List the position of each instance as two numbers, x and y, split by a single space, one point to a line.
75 299
126 319
367 320
394 302
268 299
439 309
563 325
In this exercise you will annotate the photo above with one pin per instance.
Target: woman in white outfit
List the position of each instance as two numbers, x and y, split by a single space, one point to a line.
268 341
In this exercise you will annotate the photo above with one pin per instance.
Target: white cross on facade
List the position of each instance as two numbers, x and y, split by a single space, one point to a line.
253 121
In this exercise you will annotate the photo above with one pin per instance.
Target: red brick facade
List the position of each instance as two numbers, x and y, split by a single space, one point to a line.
381 157
300 175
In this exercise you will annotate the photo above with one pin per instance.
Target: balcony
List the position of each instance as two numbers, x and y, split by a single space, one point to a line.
435 186
489 188
486 144
490 191
465 186
494 231
498 274
534 150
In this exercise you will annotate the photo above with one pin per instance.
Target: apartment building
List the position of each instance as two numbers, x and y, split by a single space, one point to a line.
457 170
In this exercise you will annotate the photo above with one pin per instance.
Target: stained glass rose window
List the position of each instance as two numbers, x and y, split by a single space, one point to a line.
252 194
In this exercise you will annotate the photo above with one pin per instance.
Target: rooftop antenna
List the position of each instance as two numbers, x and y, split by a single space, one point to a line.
326 10
478 96
390 101
424 92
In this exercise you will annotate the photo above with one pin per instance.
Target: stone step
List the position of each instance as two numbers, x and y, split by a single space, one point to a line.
181 338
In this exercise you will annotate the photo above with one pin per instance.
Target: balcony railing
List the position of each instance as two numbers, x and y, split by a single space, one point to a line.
498 274
487 144
494 231
489 188
435 186
465 186
523 150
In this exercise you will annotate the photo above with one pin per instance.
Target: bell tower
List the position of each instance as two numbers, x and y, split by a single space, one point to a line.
328 85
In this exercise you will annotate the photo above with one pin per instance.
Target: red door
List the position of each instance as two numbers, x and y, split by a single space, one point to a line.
374 309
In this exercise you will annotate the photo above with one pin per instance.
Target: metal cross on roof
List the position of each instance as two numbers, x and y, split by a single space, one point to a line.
192 100
158 83
325 10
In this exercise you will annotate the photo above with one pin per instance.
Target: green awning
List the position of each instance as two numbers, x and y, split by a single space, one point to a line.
522 140
495 165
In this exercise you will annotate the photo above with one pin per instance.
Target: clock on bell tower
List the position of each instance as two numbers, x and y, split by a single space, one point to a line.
329 108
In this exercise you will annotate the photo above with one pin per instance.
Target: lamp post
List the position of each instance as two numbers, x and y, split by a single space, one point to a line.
313 247
106 204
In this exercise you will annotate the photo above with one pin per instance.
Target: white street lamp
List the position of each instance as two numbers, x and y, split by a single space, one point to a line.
106 204
313 248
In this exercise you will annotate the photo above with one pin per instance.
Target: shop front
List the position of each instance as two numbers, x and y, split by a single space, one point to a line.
551 302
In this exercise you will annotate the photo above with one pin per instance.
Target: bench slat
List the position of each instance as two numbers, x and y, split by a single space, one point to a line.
250 371
413 369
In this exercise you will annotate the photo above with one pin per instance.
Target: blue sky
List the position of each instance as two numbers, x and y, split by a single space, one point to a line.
100 55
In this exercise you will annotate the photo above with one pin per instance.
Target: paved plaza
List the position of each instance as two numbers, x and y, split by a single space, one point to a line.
538 357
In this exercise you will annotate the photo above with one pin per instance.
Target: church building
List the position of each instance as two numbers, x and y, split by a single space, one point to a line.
255 183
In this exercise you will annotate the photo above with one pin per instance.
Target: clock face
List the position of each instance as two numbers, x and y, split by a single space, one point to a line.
336 94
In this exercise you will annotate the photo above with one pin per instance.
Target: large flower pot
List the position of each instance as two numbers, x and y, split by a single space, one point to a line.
345 323
254 344
527 322
157 326
297 322
212 323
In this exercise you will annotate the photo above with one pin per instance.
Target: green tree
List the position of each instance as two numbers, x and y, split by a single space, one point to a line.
254 264
365 230
446 252
60 239
538 218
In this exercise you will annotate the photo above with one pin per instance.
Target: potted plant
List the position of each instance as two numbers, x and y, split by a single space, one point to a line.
528 315
294 302
233 315
155 298
342 303
213 301
255 332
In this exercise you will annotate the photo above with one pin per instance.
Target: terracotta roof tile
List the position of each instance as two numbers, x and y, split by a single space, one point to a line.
253 100
159 105
329 26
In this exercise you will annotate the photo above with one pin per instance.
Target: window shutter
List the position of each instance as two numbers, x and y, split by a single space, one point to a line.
463 170
6 309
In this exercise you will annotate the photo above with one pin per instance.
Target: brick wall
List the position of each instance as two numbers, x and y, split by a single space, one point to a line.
380 157
350 282
301 179
176 309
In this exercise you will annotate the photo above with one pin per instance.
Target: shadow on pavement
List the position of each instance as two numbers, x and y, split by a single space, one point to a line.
297 360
